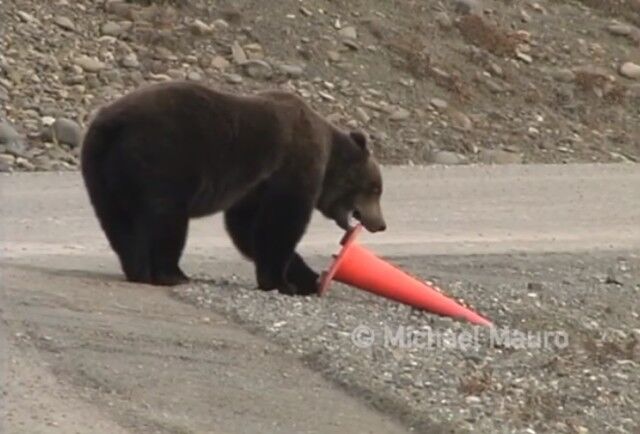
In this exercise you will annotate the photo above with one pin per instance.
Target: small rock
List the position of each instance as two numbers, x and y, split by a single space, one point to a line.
194 76
362 115
256 68
564 75
466 7
495 69
204 61
351 44
111 76
111 28
326 96
399 114
177 74
498 156
333 56
524 57
64 22
201 28
8 134
24 164
630 70
348 32
438 103
619 29
472 399
220 63
162 53
48 121
253 48
67 131
119 8
221 24
8 159
6 162
443 20
447 158
89 64
238 54
27 18
460 121
130 61
535 286
294 71
233 78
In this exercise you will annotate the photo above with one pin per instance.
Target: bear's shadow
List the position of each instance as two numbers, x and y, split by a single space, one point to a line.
102 276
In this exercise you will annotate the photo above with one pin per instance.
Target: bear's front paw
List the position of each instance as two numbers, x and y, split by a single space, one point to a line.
170 279
288 289
267 281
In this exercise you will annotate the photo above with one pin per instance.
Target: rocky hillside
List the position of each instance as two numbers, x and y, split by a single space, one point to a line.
448 82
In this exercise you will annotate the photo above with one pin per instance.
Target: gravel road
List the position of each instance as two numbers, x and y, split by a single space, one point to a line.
536 248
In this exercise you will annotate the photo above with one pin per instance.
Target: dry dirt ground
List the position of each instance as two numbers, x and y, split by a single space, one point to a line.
494 81
538 249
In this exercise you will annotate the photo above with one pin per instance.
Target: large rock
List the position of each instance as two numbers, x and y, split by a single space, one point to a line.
8 134
630 70
67 131
498 156
447 158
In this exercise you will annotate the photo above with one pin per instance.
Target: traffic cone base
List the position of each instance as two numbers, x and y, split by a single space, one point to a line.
358 267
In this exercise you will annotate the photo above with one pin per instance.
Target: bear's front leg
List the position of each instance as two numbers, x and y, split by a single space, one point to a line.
302 276
281 222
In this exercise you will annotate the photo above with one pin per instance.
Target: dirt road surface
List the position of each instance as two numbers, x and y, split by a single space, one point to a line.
83 351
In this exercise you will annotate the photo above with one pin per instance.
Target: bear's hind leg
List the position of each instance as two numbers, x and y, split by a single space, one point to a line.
168 232
133 249
128 236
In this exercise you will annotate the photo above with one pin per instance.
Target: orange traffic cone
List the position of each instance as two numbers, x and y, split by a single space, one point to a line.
358 267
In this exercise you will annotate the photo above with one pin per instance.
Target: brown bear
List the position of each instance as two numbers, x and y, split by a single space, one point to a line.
169 152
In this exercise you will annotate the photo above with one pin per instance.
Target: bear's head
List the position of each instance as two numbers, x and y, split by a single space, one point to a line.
352 184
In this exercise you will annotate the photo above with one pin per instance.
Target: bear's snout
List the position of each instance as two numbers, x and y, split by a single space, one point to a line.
371 219
381 227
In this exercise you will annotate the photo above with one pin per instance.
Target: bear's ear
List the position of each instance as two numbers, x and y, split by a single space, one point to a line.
360 139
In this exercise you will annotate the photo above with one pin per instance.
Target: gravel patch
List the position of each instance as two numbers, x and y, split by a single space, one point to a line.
564 357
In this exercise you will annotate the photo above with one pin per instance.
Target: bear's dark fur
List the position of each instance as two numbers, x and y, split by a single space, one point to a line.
169 152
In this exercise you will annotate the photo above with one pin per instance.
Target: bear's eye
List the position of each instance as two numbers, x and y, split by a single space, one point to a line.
376 190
